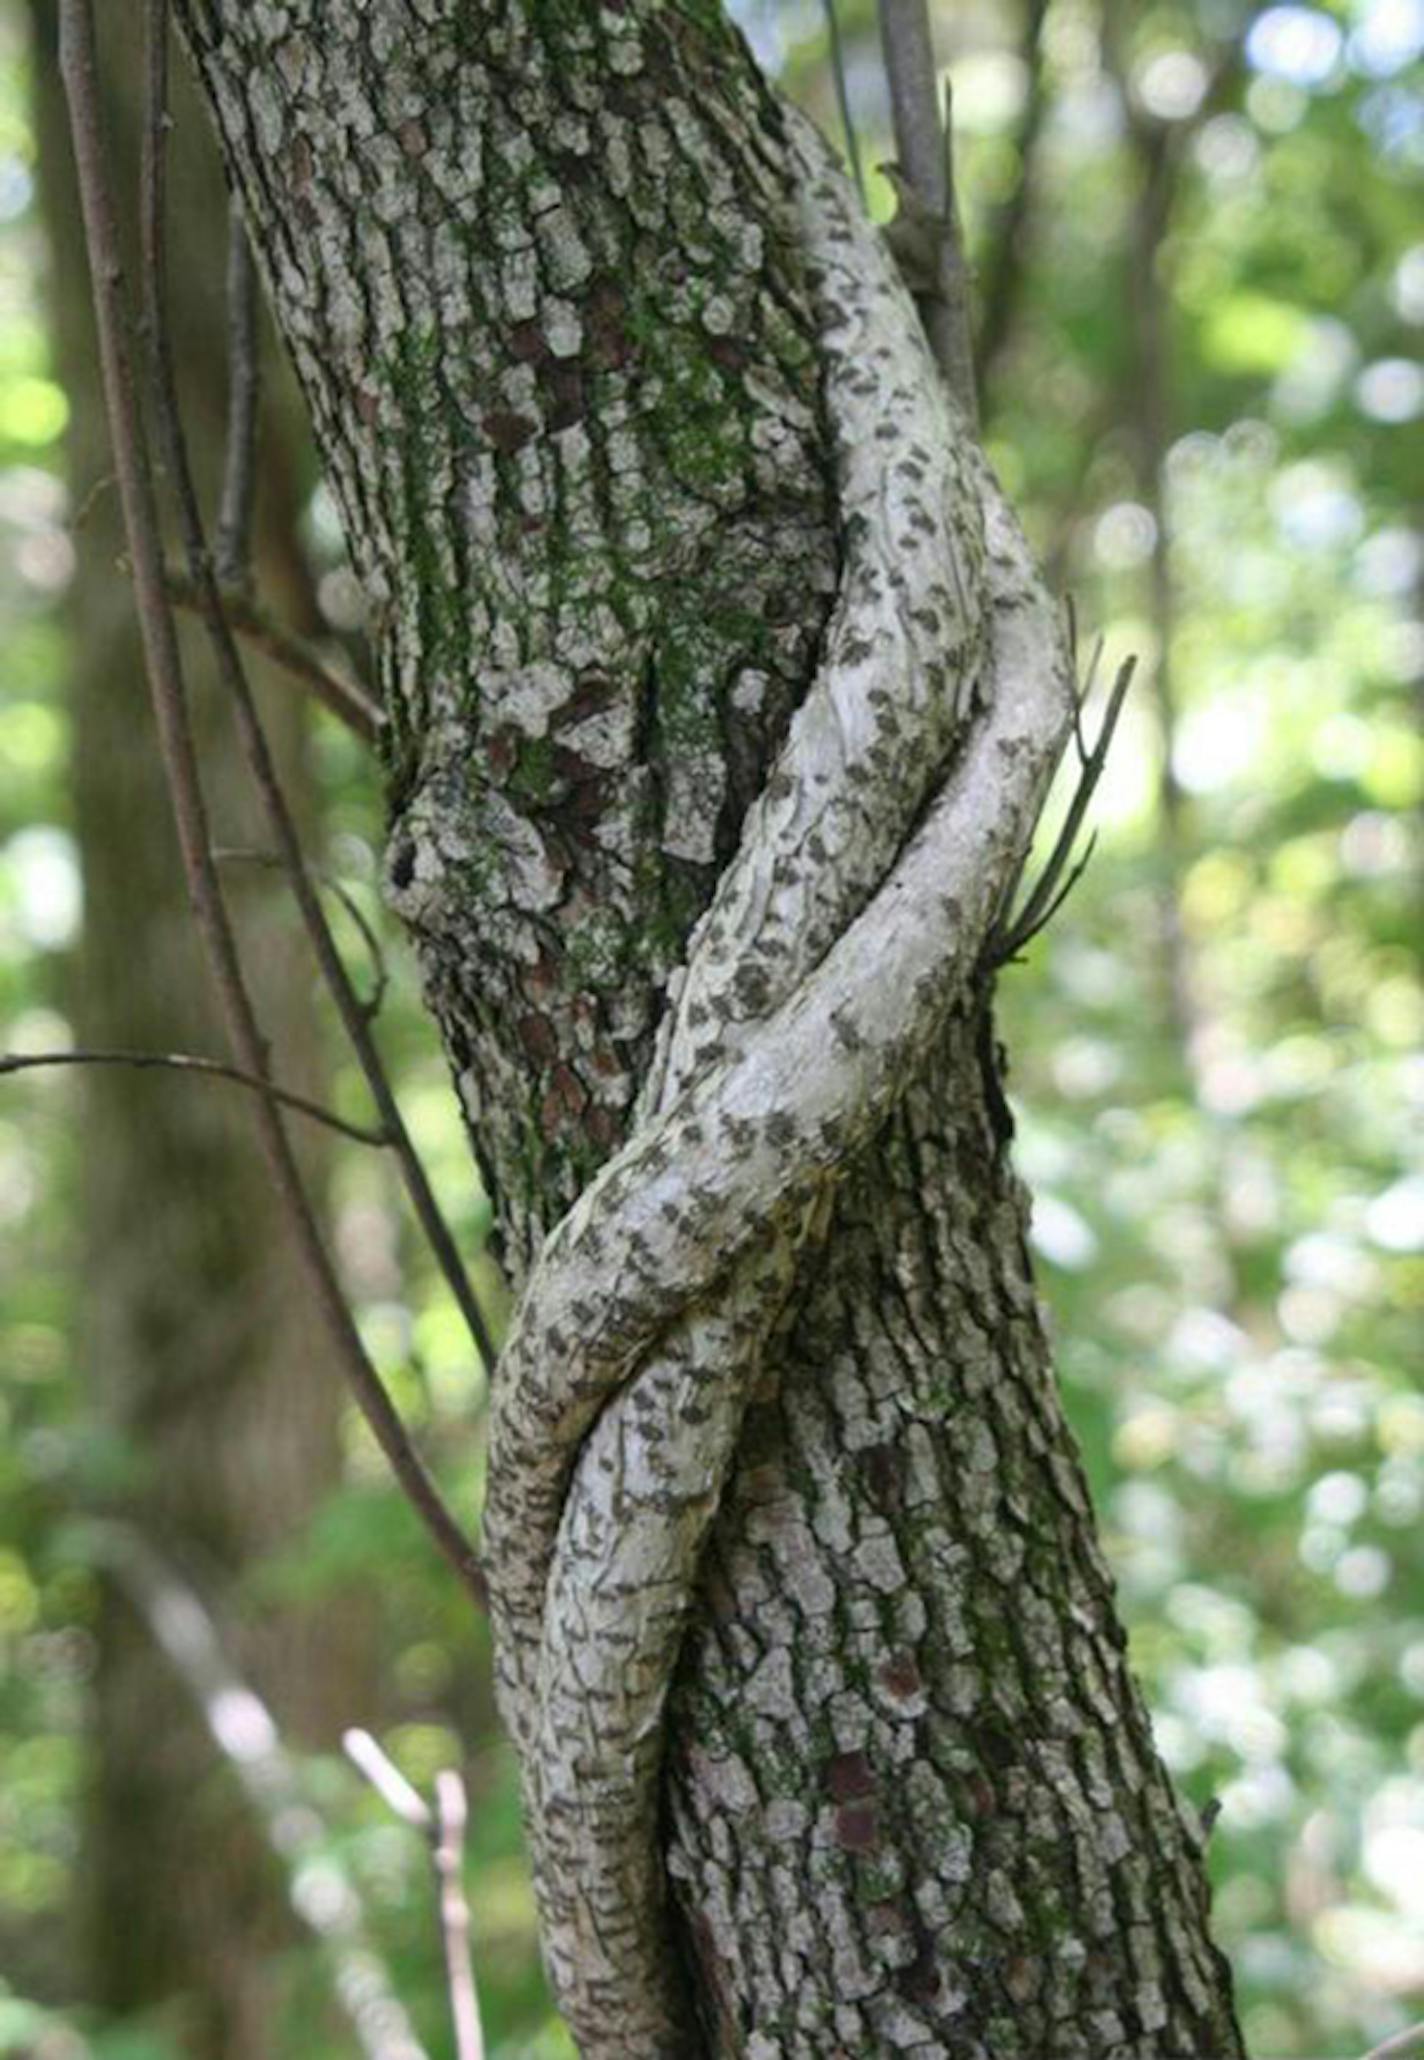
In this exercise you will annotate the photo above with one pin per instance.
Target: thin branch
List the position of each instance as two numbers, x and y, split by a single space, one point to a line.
79 519
370 1758
371 1006
1405 2045
452 1814
188 1062
1046 897
926 230
1157 146
1080 699
1046 914
349 703
78 67
444 1827
838 73
244 366
254 741
1081 692
1006 262
244 1732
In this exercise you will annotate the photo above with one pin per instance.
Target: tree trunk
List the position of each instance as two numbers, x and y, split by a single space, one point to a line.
639 453
194 1331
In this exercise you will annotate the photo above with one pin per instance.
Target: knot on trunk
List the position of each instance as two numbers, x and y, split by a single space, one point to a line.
851 921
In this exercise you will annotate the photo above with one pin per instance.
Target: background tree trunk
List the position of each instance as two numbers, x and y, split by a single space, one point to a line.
541 274
205 1360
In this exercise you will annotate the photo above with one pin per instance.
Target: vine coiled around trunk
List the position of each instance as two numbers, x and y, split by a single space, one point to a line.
851 921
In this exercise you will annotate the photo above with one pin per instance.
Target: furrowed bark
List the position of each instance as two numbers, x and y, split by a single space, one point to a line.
540 280
545 276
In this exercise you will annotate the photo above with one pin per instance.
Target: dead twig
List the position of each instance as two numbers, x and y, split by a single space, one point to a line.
1047 896
1005 268
189 1062
1405 2045
78 66
371 1006
451 1814
349 703
245 1733
234 678
444 1827
370 1758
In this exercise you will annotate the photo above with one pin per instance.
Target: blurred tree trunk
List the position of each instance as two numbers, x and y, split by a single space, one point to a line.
543 271
194 1331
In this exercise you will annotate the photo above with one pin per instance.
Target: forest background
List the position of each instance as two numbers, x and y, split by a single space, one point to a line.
1195 233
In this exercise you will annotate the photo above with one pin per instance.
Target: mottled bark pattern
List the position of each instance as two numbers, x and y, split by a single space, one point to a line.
854 913
537 268
541 272
913 1802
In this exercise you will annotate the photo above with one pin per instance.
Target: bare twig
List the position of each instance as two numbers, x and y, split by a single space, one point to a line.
1405 2045
244 367
90 502
234 677
1080 699
838 73
243 1729
371 1006
349 703
445 1829
927 223
1157 147
1047 897
1006 263
163 664
370 1758
452 1812
188 1062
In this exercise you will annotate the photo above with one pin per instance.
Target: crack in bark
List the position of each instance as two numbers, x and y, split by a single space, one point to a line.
840 937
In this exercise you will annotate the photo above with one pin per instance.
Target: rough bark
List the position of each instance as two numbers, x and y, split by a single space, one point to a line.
194 1332
544 273
540 281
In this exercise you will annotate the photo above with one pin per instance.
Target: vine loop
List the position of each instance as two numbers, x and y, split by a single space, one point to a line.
847 927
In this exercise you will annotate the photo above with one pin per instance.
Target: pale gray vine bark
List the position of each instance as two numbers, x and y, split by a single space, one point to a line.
639 452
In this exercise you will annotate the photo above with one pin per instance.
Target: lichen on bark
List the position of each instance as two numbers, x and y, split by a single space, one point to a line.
538 270
544 270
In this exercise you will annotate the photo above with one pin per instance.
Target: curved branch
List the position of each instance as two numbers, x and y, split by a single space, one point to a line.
844 933
349 703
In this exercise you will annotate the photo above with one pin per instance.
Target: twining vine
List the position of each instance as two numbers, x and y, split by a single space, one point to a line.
866 906
851 922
